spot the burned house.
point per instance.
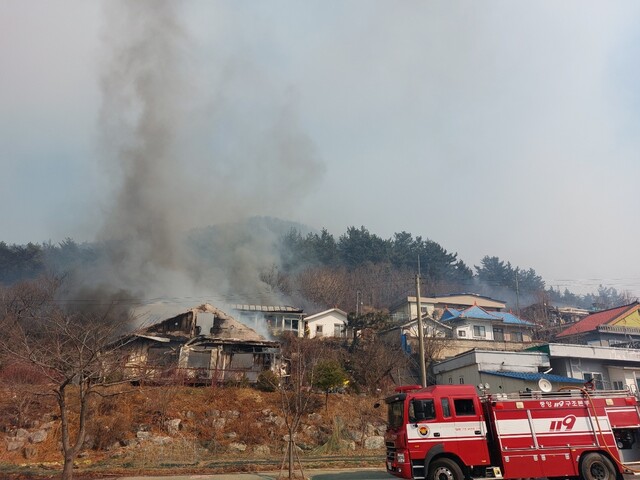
(203, 345)
(277, 319)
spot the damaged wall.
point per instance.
(175, 349)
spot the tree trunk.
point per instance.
(67, 470)
(290, 456)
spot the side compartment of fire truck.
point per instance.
(552, 434)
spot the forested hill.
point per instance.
(317, 270)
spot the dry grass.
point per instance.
(209, 419)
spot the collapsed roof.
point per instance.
(204, 320)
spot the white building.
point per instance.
(407, 309)
(330, 323)
(502, 371)
(609, 367)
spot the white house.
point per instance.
(330, 323)
(407, 309)
(609, 367)
(503, 371)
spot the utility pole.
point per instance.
(357, 303)
(423, 369)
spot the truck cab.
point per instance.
(449, 432)
(435, 430)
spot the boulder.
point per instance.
(237, 447)
(374, 443)
(173, 426)
(29, 451)
(14, 444)
(262, 450)
(38, 436)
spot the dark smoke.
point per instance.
(180, 157)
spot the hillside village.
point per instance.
(183, 362)
(463, 333)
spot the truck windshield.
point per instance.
(396, 412)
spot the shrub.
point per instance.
(267, 381)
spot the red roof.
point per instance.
(593, 321)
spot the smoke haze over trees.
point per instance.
(292, 264)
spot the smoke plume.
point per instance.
(186, 145)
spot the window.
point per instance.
(395, 414)
(199, 359)
(464, 406)
(338, 330)
(451, 380)
(162, 357)
(596, 378)
(420, 410)
(479, 331)
(423, 309)
(290, 324)
(498, 334)
(318, 330)
(446, 410)
(462, 333)
(516, 336)
(461, 380)
(618, 385)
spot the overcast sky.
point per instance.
(499, 128)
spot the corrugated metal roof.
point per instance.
(534, 376)
(266, 308)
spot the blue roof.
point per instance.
(449, 313)
(534, 376)
(508, 317)
(477, 312)
(481, 314)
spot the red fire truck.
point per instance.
(450, 432)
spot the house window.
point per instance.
(318, 330)
(450, 380)
(290, 324)
(161, 357)
(596, 377)
(461, 380)
(498, 334)
(338, 330)
(423, 309)
(516, 336)
(462, 333)
(618, 385)
(479, 331)
(198, 359)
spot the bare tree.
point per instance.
(373, 361)
(296, 392)
(75, 353)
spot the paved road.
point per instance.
(343, 474)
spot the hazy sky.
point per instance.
(493, 128)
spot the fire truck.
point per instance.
(452, 432)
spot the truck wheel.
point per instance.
(445, 469)
(596, 466)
